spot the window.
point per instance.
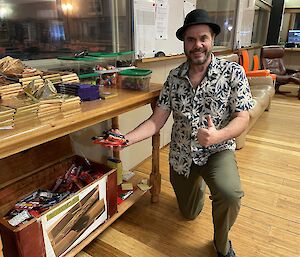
(224, 13)
(297, 21)
(291, 21)
(39, 29)
(261, 16)
(95, 7)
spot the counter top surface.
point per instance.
(295, 49)
(21, 138)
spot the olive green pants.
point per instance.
(221, 175)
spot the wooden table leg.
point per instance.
(1, 248)
(155, 176)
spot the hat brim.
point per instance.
(180, 32)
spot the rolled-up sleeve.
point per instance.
(164, 99)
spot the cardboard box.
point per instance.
(70, 222)
(64, 225)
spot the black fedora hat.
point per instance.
(197, 16)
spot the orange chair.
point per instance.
(256, 72)
(255, 62)
(256, 67)
(244, 61)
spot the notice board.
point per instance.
(155, 26)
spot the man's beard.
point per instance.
(197, 61)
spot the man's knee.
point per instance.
(229, 196)
(190, 214)
(233, 197)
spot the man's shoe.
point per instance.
(230, 253)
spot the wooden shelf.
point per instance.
(164, 58)
(216, 50)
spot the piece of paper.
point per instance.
(127, 186)
(145, 27)
(161, 19)
(127, 175)
(144, 181)
(143, 187)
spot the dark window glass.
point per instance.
(297, 21)
(259, 32)
(38, 29)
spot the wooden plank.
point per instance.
(128, 245)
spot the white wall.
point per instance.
(292, 4)
(83, 145)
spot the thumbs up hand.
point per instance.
(208, 136)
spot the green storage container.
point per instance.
(136, 79)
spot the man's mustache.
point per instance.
(197, 51)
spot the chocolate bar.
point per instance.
(110, 138)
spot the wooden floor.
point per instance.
(269, 220)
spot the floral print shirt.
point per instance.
(222, 92)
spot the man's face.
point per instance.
(198, 43)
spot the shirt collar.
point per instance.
(213, 67)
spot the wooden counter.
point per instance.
(93, 112)
(22, 138)
(292, 49)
